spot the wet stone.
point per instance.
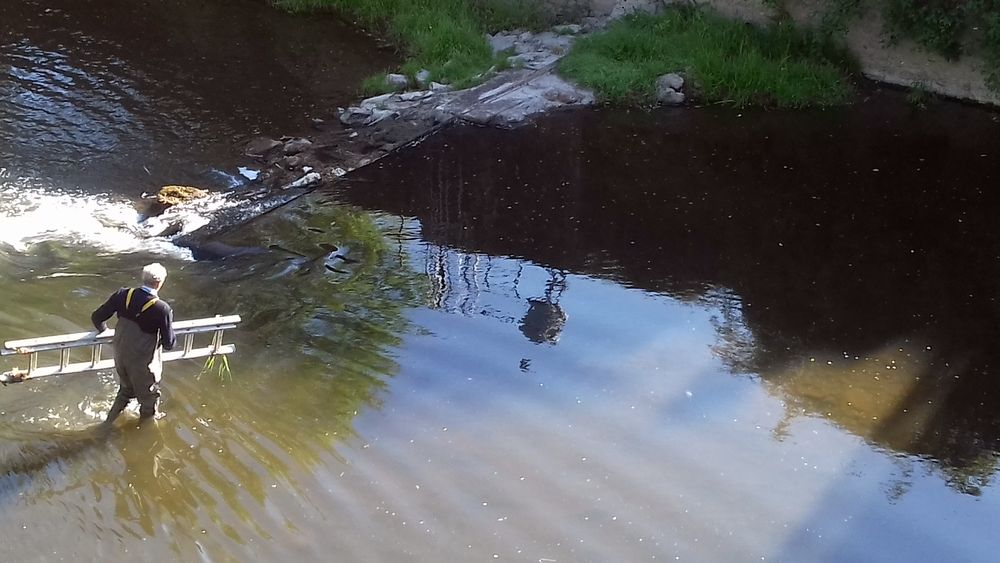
(355, 116)
(291, 162)
(260, 146)
(561, 96)
(670, 97)
(176, 195)
(554, 42)
(307, 180)
(414, 96)
(379, 101)
(671, 80)
(423, 78)
(501, 42)
(397, 81)
(568, 29)
(296, 146)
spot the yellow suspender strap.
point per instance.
(128, 301)
(148, 304)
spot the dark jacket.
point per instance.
(157, 318)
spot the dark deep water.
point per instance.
(118, 96)
(699, 334)
(833, 236)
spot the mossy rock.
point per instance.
(176, 195)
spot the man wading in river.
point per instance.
(145, 326)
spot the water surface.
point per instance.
(701, 334)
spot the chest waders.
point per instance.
(137, 361)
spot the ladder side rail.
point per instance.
(198, 352)
(202, 329)
(83, 339)
(58, 342)
(207, 321)
(82, 367)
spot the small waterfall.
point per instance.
(31, 214)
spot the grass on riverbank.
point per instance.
(445, 37)
(723, 60)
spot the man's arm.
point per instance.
(103, 313)
(167, 338)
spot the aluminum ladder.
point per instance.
(63, 343)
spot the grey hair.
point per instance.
(153, 274)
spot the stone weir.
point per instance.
(377, 126)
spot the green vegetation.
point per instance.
(940, 26)
(725, 61)
(837, 16)
(919, 96)
(223, 367)
(446, 37)
(936, 24)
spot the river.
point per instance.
(701, 334)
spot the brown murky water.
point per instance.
(123, 96)
(699, 335)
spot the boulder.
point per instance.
(295, 146)
(673, 81)
(379, 115)
(558, 96)
(307, 180)
(292, 162)
(176, 195)
(670, 97)
(423, 78)
(501, 42)
(377, 102)
(624, 8)
(593, 24)
(668, 89)
(397, 81)
(260, 146)
(554, 42)
(355, 116)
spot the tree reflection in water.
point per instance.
(319, 318)
(545, 319)
(848, 254)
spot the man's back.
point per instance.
(153, 315)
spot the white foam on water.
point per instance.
(31, 214)
(188, 216)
